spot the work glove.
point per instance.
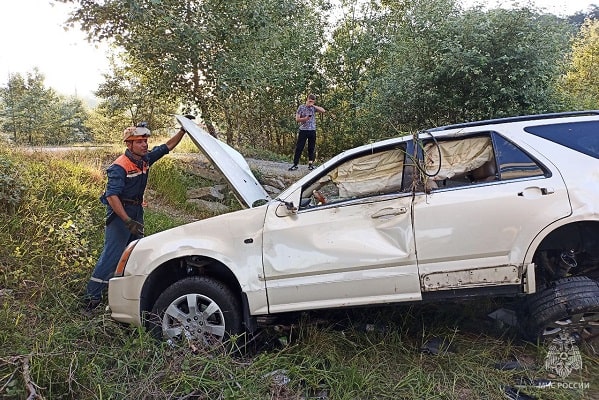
(134, 227)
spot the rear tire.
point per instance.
(200, 310)
(568, 305)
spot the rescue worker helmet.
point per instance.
(135, 132)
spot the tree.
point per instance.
(73, 116)
(273, 60)
(201, 50)
(580, 84)
(449, 65)
(36, 115)
(388, 67)
(13, 109)
(352, 62)
(128, 99)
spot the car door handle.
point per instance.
(544, 191)
(389, 212)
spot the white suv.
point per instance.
(506, 207)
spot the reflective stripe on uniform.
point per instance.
(97, 280)
(133, 175)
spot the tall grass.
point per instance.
(51, 238)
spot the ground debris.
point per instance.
(437, 345)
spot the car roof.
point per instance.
(522, 118)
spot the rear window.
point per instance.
(579, 136)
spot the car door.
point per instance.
(351, 244)
(473, 229)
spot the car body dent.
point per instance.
(472, 277)
(303, 268)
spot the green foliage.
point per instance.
(54, 214)
(448, 65)
(12, 186)
(35, 115)
(381, 68)
(580, 84)
(242, 67)
(165, 175)
(186, 146)
(262, 154)
(129, 99)
(353, 62)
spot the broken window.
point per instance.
(363, 176)
(453, 163)
(476, 159)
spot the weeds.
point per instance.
(11, 186)
(52, 238)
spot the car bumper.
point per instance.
(123, 297)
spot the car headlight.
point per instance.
(120, 268)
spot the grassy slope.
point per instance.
(50, 236)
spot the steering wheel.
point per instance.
(320, 199)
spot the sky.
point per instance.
(32, 35)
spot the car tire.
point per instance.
(568, 305)
(213, 322)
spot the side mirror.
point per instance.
(290, 207)
(285, 209)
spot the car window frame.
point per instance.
(358, 200)
(493, 135)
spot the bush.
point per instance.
(11, 185)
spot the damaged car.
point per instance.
(503, 208)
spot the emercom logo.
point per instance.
(563, 356)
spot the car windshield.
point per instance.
(579, 136)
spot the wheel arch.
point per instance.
(579, 238)
(176, 269)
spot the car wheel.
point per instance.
(198, 309)
(568, 305)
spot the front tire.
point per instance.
(199, 310)
(568, 305)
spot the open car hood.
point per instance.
(229, 162)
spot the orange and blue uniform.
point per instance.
(127, 179)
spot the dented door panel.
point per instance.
(347, 254)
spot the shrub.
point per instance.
(11, 185)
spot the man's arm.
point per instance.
(174, 141)
(299, 118)
(319, 109)
(135, 227)
(117, 206)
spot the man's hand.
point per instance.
(134, 227)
